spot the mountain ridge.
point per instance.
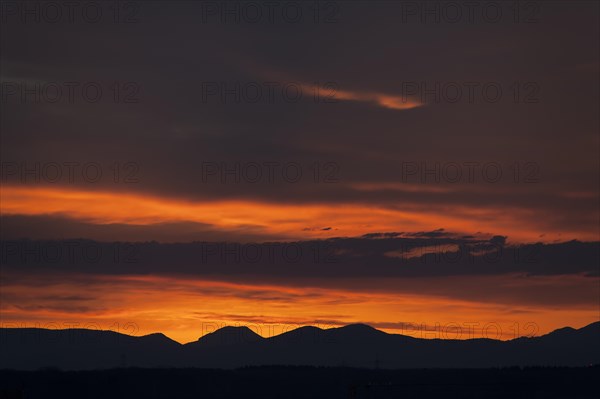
(356, 345)
(567, 329)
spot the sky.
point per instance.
(428, 168)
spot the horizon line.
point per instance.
(245, 327)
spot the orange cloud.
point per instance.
(379, 99)
(288, 221)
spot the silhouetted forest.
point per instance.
(303, 382)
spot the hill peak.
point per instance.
(359, 326)
(158, 338)
(230, 335)
(357, 331)
(593, 327)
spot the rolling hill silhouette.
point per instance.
(355, 345)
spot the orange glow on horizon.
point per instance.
(186, 308)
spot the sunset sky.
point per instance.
(361, 164)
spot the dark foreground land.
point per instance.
(303, 382)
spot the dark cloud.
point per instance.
(426, 255)
(170, 53)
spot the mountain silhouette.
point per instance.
(227, 336)
(356, 345)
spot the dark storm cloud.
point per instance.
(170, 53)
(407, 255)
(483, 270)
